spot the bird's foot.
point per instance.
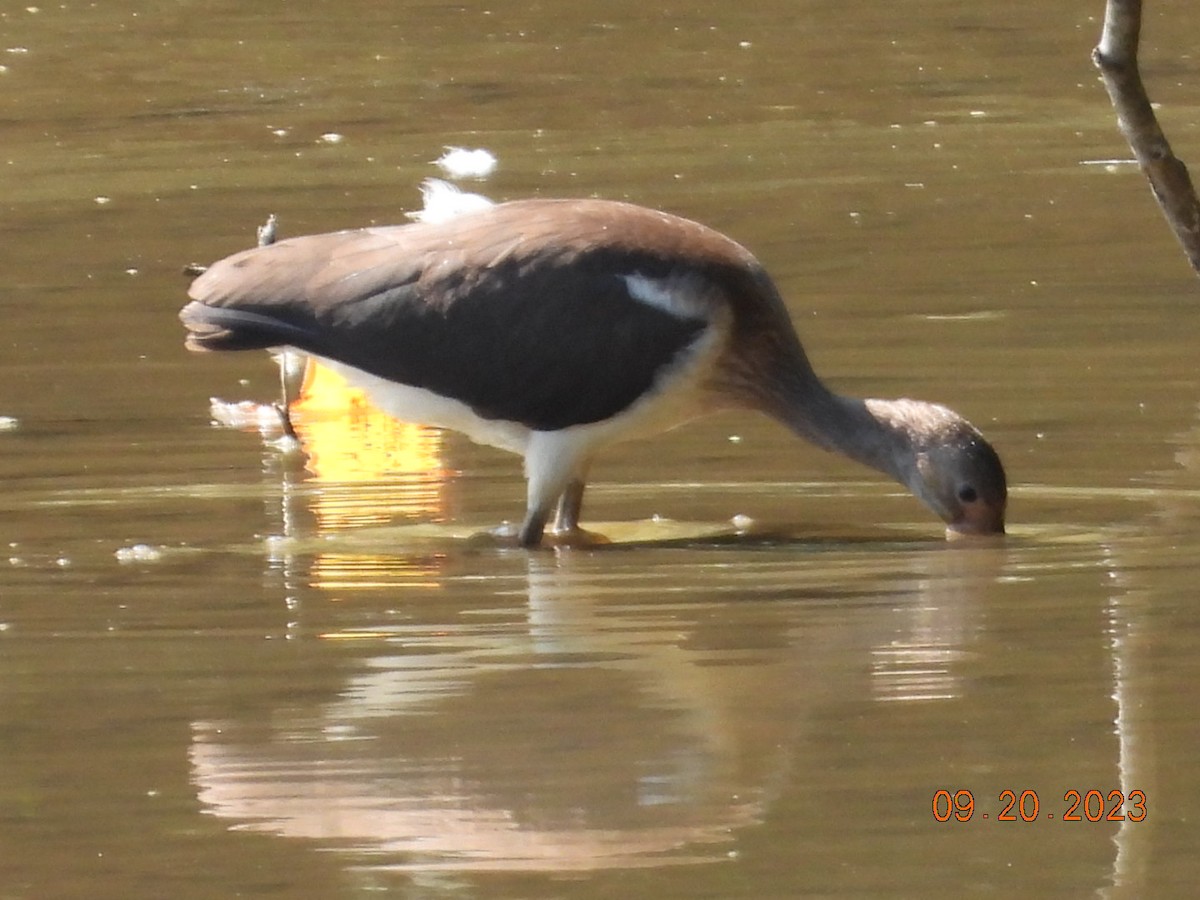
(509, 533)
(573, 537)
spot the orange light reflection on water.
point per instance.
(373, 470)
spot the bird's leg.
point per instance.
(555, 464)
(533, 527)
(569, 505)
(566, 531)
(284, 406)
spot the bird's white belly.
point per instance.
(423, 407)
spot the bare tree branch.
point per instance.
(1116, 57)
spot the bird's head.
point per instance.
(962, 479)
(951, 467)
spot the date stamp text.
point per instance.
(1026, 806)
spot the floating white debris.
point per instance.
(443, 200)
(139, 553)
(102, 200)
(742, 522)
(8, 423)
(332, 137)
(459, 162)
(245, 415)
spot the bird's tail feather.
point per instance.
(220, 328)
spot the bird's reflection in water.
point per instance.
(563, 746)
(583, 729)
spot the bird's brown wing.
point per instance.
(516, 323)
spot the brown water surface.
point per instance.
(223, 674)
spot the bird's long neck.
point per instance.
(765, 366)
(787, 389)
(849, 426)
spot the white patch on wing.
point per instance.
(683, 296)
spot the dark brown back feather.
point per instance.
(520, 311)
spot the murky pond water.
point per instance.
(225, 674)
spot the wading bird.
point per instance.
(553, 327)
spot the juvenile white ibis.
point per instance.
(552, 327)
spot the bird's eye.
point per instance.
(968, 494)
